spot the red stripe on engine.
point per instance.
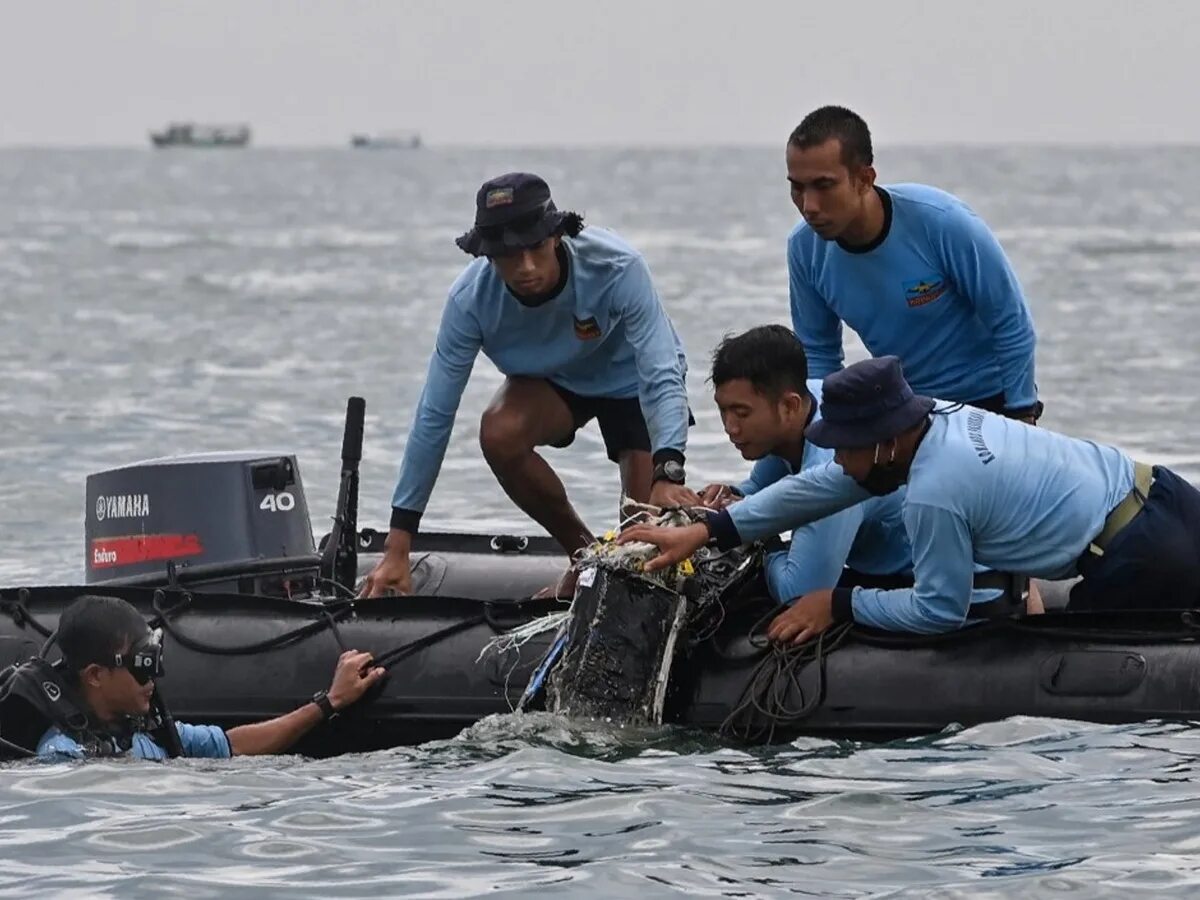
(139, 548)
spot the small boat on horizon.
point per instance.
(192, 134)
(393, 140)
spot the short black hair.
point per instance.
(836, 123)
(95, 628)
(571, 225)
(770, 357)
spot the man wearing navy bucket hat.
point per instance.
(982, 489)
(571, 317)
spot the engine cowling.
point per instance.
(207, 511)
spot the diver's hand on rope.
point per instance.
(665, 494)
(352, 677)
(719, 496)
(806, 618)
(675, 544)
(392, 574)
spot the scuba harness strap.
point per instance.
(35, 696)
(163, 730)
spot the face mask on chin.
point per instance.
(883, 478)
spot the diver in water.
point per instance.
(100, 700)
(910, 268)
(571, 317)
(981, 488)
(761, 386)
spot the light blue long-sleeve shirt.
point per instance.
(605, 335)
(936, 291)
(207, 741)
(982, 489)
(869, 537)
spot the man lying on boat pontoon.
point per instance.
(982, 489)
(571, 317)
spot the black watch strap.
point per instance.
(321, 698)
(669, 470)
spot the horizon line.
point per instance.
(619, 145)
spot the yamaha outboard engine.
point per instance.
(224, 519)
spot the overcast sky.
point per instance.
(607, 71)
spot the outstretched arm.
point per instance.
(943, 569)
(351, 679)
(789, 503)
(662, 388)
(458, 343)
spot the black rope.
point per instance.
(329, 620)
(764, 704)
(24, 752)
(163, 619)
(20, 613)
(396, 655)
(333, 627)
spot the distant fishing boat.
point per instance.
(409, 140)
(190, 134)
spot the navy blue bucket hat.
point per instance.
(866, 403)
(512, 212)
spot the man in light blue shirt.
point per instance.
(766, 401)
(912, 269)
(571, 317)
(100, 701)
(982, 489)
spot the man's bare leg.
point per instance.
(524, 414)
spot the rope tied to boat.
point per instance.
(328, 619)
(19, 612)
(765, 703)
(330, 614)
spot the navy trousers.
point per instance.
(1154, 561)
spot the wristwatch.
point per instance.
(671, 470)
(321, 698)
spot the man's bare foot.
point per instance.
(563, 589)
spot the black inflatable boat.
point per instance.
(218, 551)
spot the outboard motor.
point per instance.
(224, 519)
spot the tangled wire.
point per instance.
(775, 696)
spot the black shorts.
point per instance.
(622, 424)
(995, 404)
